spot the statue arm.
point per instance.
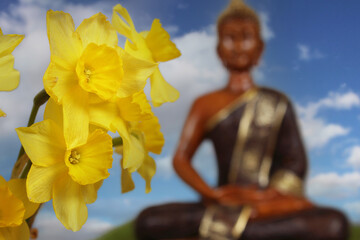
(290, 161)
(191, 137)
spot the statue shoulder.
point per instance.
(274, 93)
(207, 105)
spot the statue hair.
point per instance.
(238, 9)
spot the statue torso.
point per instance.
(244, 135)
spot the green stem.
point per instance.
(41, 98)
(117, 141)
(26, 170)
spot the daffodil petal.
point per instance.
(94, 161)
(136, 72)
(133, 150)
(2, 114)
(103, 114)
(158, 40)
(141, 99)
(76, 117)
(90, 192)
(125, 28)
(53, 111)
(139, 48)
(98, 30)
(12, 209)
(9, 77)
(65, 43)
(43, 143)
(127, 184)
(40, 181)
(59, 81)
(69, 204)
(15, 233)
(132, 109)
(18, 188)
(154, 139)
(147, 171)
(2, 181)
(9, 42)
(161, 91)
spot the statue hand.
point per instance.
(280, 205)
(237, 195)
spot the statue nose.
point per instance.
(240, 47)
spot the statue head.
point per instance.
(240, 44)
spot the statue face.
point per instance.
(240, 45)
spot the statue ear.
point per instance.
(220, 54)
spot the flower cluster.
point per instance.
(95, 86)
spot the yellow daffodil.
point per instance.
(153, 46)
(9, 77)
(15, 208)
(87, 67)
(148, 138)
(69, 176)
(115, 117)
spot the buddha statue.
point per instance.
(260, 157)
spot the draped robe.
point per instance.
(257, 142)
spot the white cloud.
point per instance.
(51, 228)
(353, 209)
(307, 54)
(266, 32)
(353, 206)
(125, 207)
(334, 185)
(317, 131)
(164, 167)
(203, 162)
(340, 100)
(196, 72)
(354, 157)
(171, 29)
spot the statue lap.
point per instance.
(182, 221)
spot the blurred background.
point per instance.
(312, 55)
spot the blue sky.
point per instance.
(312, 55)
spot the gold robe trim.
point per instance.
(287, 182)
(256, 138)
(241, 223)
(267, 161)
(217, 226)
(243, 131)
(225, 112)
